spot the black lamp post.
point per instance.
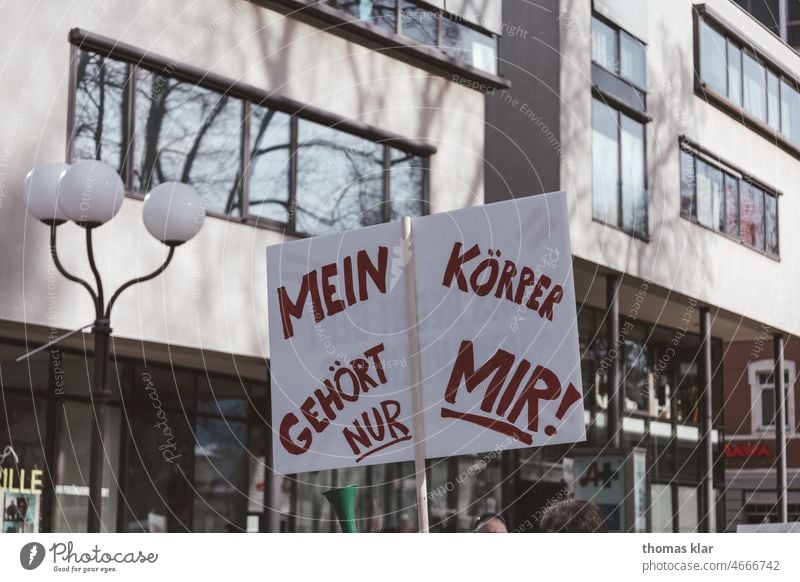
(90, 193)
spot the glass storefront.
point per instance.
(186, 450)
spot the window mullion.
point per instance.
(387, 183)
(293, 178)
(244, 162)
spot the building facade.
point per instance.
(291, 121)
(671, 126)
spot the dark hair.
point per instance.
(484, 517)
(573, 516)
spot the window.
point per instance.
(101, 104)
(186, 133)
(785, 26)
(349, 193)
(428, 27)
(469, 44)
(754, 87)
(762, 394)
(248, 160)
(618, 52)
(382, 13)
(727, 202)
(619, 195)
(747, 81)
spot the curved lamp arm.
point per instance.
(138, 280)
(67, 274)
(93, 265)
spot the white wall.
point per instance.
(682, 256)
(213, 295)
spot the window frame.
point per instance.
(756, 389)
(619, 224)
(441, 15)
(618, 32)
(728, 169)
(703, 14)
(138, 59)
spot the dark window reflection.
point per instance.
(159, 450)
(270, 142)
(635, 372)
(420, 23)
(100, 110)
(340, 180)
(771, 215)
(221, 475)
(407, 185)
(469, 45)
(189, 134)
(381, 13)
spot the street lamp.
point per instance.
(90, 193)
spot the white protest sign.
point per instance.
(495, 320)
(339, 351)
(497, 327)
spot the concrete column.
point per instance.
(780, 428)
(707, 425)
(612, 335)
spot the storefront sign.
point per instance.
(495, 320)
(616, 483)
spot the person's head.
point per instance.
(490, 523)
(573, 516)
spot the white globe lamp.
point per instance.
(173, 213)
(41, 193)
(90, 193)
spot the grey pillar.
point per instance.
(780, 427)
(707, 425)
(612, 353)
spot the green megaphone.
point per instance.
(343, 500)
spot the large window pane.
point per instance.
(407, 185)
(469, 45)
(420, 23)
(340, 180)
(73, 443)
(752, 216)
(270, 142)
(771, 215)
(635, 372)
(604, 45)
(734, 73)
(732, 205)
(633, 61)
(713, 68)
(158, 431)
(221, 475)
(709, 195)
(101, 100)
(381, 13)
(790, 112)
(773, 101)
(634, 195)
(754, 87)
(188, 134)
(687, 509)
(605, 163)
(661, 508)
(688, 182)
